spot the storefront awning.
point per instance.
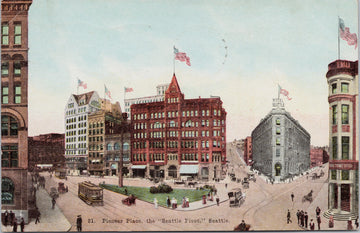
(138, 166)
(189, 169)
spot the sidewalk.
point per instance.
(50, 219)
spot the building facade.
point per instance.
(280, 145)
(47, 149)
(342, 78)
(14, 107)
(76, 114)
(318, 156)
(178, 137)
(160, 94)
(248, 151)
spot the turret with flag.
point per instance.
(344, 33)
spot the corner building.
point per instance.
(178, 137)
(281, 146)
(14, 108)
(343, 199)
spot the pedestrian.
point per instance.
(6, 217)
(79, 223)
(292, 197)
(155, 203)
(302, 218)
(306, 217)
(318, 221)
(318, 211)
(288, 217)
(226, 185)
(53, 203)
(183, 203)
(66, 189)
(331, 221)
(312, 225)
(217, 200)
(349, 224)
(126, 192)
(298, 216)
(204, 199)
(168, 202)
(357, 222)
(22, 224)
(12, 217)
(187, 202)
(15, 225)
(37, 220)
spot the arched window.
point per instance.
(9, 126)
(126, 146)
(7, 191)
(189, 123)
(109, 146)
(116, 146)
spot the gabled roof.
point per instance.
(173, 84)
(87, 97)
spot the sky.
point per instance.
(239, 50)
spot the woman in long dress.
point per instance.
(155, 203)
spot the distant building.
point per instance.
(343, 81)
(47, 149)
(281, 146)
(77, 110)
(248, 151)
(159, 97)
(178, 137)
(318, 156)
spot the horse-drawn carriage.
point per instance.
(308, 197)
(61, 187)
(242, 227)
(245, 183)
(235, 197)
(129, 200)
(251, 176)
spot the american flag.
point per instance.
(82, 84)
(128, 89)
(107, 92)
(345, 34)
(181, 56)
(284, 92)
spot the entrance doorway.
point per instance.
(345, 197)
(277, 169)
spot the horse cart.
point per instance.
(308, 197)
(245, 183)
(129, 200)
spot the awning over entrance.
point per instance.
(138, 166)
(189, 169)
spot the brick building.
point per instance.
(14, 107)
(281, 146)
(248, 151)
(343, 80)
(47, 149)
(178, 137)
(318, 156)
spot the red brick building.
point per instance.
(178, 137)
(14, 106)
(47, 149)
(247, 150)
(318, 156)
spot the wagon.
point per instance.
(129, 200)
(308, 197)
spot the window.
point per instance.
(9, 156)
(126, 146)
(345, 147)
(277, 152)
(17, 68)
(5, 95)
(334, 147)
(5, 68)
(278, 141)
(116, 146)
(333, 174)
(9, 126)
(333, 88)
(7, 191)
(278, 130)
(278, 121)
(344, 114)
(5, 34)
(345, 175)
(109, 147)
(17, 34)
(17, 94)
(334, 113)
(344, 87)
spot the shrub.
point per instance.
(153, 189)
(162, 188)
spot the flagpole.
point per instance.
(174, 62)
(338, 38)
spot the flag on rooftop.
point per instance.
(82, 84)
(128, 89)
(284, 92)
(107, 92)
(345, 34)
(181, 56)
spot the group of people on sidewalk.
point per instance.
(9, 218)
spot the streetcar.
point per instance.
(90, 193)
(60, 173)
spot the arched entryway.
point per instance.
(277, 169)
(172, 171)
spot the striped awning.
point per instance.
(138, 166)
(189, 169)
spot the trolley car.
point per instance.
(60, 173)
(90, 193)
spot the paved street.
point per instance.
(265, 207)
